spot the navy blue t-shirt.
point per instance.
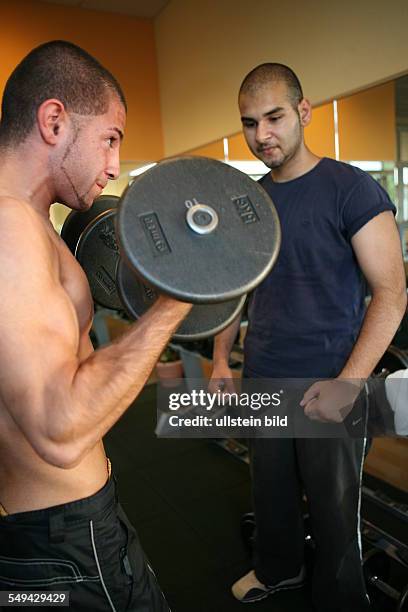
(305, 316)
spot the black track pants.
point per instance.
(329, 472)
(87, 547)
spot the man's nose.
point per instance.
(263, 132)
(113, 169)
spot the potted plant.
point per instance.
(169, 366)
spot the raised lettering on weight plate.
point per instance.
(108, 237)
(105, 280)
(148, 294)
(155, 234)
(245, 209)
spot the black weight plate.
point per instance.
(77, 221)
(218, 266)
(97, 252)
(203, 320)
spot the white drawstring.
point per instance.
(99, 567)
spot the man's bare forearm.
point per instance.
(381, 321)
(224, 342)
(103, 386)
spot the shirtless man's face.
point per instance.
(89, 157)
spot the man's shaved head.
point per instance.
(266, 74)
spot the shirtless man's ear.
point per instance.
(51, 120)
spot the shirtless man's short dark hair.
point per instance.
(80, 82)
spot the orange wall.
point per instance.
(238, 148)
(125, 45)
(367, 124)
(215, 150)
(203, 55)
(319, 135)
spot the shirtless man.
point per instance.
(63, 118)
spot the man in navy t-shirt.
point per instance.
(308, 319)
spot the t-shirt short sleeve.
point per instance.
(366, 200)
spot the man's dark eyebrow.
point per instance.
(277, 109)
(118, 131)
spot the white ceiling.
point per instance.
(137, 8)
